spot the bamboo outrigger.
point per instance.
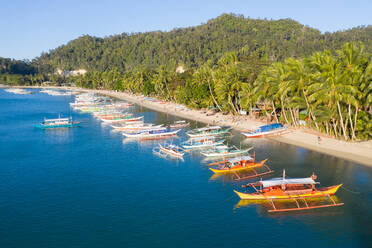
(240, 164)
(295, 189)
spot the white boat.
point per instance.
(149, 134)
(225, 152)
(208, 131)
(138, 127)
(171, 150)
(58, 123)
(202, 142)
(18, 91)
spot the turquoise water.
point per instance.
(89, 187)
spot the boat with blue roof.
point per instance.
(266, 130)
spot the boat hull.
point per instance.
(58, 126)
(203, 145)
(226, 171)
(205, 134)
(263, 134)
(224, 154)
(150, 135)
(265, 196)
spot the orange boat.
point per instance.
(240, 164)
(295, 189)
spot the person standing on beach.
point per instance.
(319, 140)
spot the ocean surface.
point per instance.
(90, 187)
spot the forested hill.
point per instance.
(193, 46)
(12, 66)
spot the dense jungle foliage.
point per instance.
(194, 46)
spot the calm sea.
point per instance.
(89, 187)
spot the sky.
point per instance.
(30, 27)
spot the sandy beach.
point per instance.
(360, 152)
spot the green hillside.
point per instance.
(193, 46)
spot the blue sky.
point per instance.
(30, 27)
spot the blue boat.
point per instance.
(271, 129)
(57, 123)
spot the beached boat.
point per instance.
(296, 189)
(18, 91)
(208, 131)
(179, 124)
(148, 134)
(58, 123)
(266, 130)
(224, 151)
(170, 149)
(202, 142)
(240, 164)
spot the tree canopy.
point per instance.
(193, 46)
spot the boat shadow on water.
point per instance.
(168, 157)
(233, 178)
(263, 206)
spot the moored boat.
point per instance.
(170, 149)
(58, 123)
(239, 164)
(202, 142)
(208, 131)
(161, 132)
(224, 151)
(266, 130)
(137, 127)
(18, 91)
(290, 189)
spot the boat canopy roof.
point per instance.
(280, 181)
(55, 120)
(269, 127)
(237, 159)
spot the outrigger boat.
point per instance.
(295, 189)
(179, 124)
(125, 118)
(172, 150)
(208, 131)
(202, 142)
(267, 130)
(224, 151)
(58, 123)
(135, 127)
(240, 164)
(149, 134)
(18, 91)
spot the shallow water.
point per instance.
(89, 187)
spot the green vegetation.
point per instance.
(293, 74)
(330, 93)
(194, 46)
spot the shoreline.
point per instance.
(359, 152)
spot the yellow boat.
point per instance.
(296, 189)
(280, 194)
(239, 164)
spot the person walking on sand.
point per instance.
(319, 140)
